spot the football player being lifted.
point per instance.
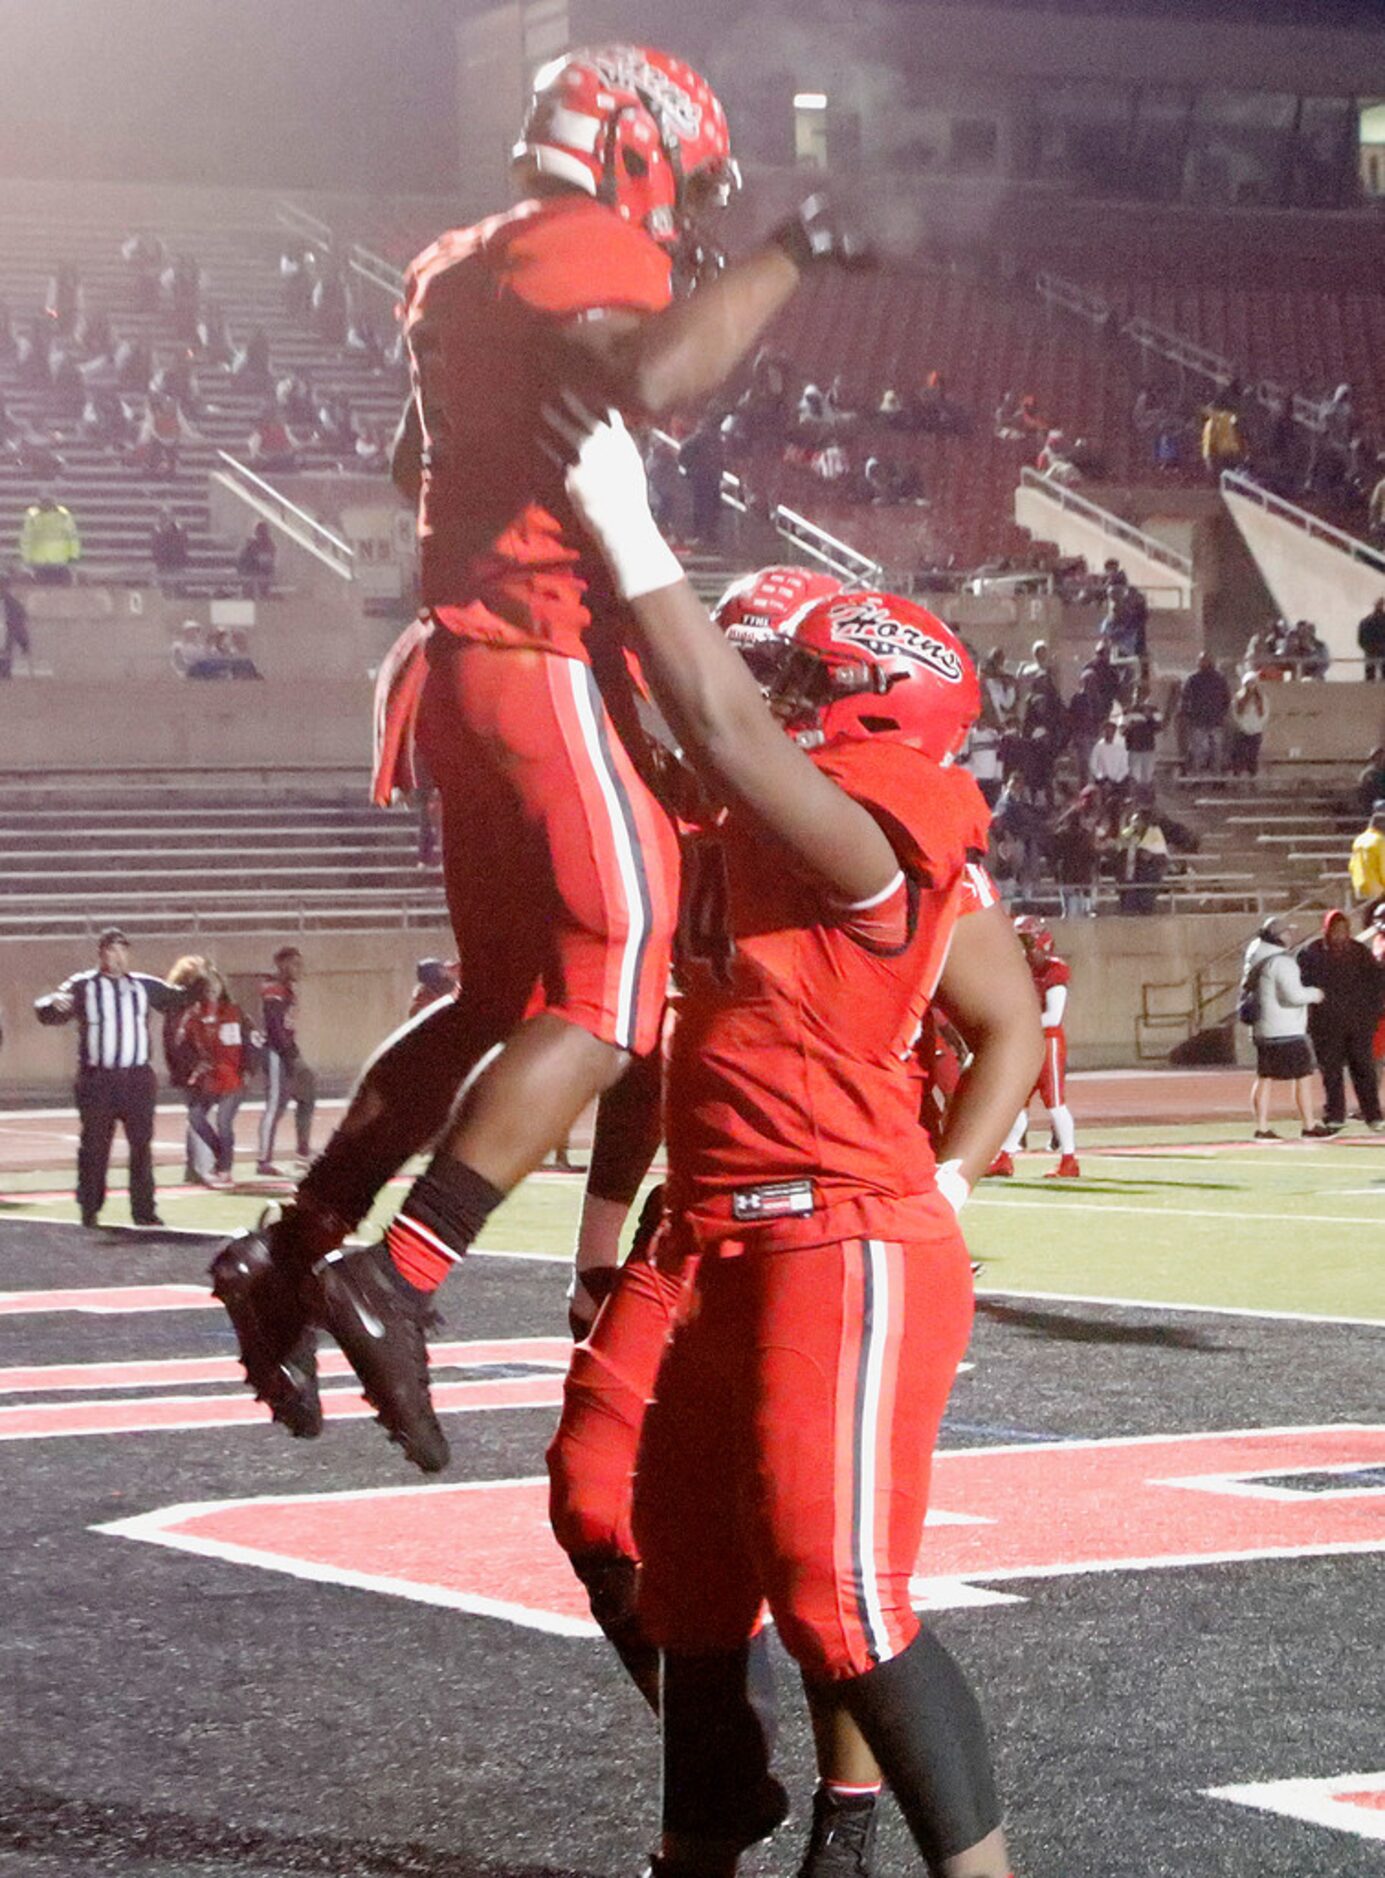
(561, 866)
(812, 1276)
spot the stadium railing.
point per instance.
(1116, 527)
(1236, 482)
(300, 527)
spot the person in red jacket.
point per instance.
(214, 1030)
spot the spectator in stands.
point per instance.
(1222, 448)
(999, 691)
(134, 366)
(1043, 701)
(932, 410)
(331, 307)
(49, 544)
(1055, 460)
(144, 254)
(1031, 427)
(830, 464)
(1343, 1026)
(295, 400)
(1024, 830)
(1366, 865)
(982, 757)
(168, 543)
(812, 408)
(1306, 652)
(256, 560)
(178, 380)
(335, 425)
(297, 273)
(214, 341)
(251, 368)
(1370, 637)
(1260, 657)
(213, 652)
(1125, 622)
(1087, 711)
(272, 447)
(1203, 706)
(1105, 674)
(1144, 861)
(1075, 854)
(372, 452)
(1141, 725)
(68, 392)
(1375, 508)
(362, 337)
(1370, 784)
(701, 460)
(94, 341)
(33, 365)
(183, 283)
(14, 619)
(1006, 421)
(890, 409)
(107, 420)
(837, 407)
(1250, 712)
(886, 483)
(1271, 983)
(1109, 764)
(64, 300)
(161, 437)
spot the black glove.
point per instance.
(53, 1009)
(817, 232)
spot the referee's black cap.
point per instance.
(113, 936)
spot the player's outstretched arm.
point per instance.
(988, 992)
(700, 682)
(654, 363)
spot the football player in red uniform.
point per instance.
(821, 1294)
(1052, 976)
(560, 864)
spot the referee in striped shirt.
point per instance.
(116, 1081)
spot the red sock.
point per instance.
(419, 1256)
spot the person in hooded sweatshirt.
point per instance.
(1342, 1027)
(1283, 1050)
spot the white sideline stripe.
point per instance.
(1313, 1801)
(1230, 1216)
(1194, 1310)
(153, 1529)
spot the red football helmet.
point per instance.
(874, 665)
(1033, 935)
(635, 128)
(757, 612)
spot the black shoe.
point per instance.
(1318, 1132)
(1265, 1134)
(278, 1346)
(146, 1219)
(360, 1298)
(91, 1221)
(842, 1841)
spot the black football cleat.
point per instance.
(359, 1297)
(842, 1841)
(278, 1346)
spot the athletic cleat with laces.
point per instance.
(1000, 1168)
(359, 1297)
(278, 1346)
(1067, 1169)
(842, 1841)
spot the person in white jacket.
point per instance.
(1283, 1049)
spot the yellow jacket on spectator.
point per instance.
(48, 536)
(1221, 436)
(1367, 862)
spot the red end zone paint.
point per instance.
(1000, 1513)
(109, 1300)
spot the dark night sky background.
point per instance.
(322, 93)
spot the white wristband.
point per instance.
(953, 1184)
(642, 566)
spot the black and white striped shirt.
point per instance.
(112, 1016)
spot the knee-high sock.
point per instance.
(1063, 1127)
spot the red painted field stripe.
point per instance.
(108, 1300)
(1375, 1799)
(169, 1372)
(43, 1420)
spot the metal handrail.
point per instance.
(1074, 298)
(301, 527)
(374, 268)
(303, 222)
(1109, 522)
(1236, 482)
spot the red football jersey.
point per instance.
(791, 1052)
(503, 561)
(1048, 973)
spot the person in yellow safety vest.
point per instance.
(48, 541)
(1221, 436)
(1367, 864)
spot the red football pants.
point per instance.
(610, 1384)
(787, 1455)
(561, 868)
